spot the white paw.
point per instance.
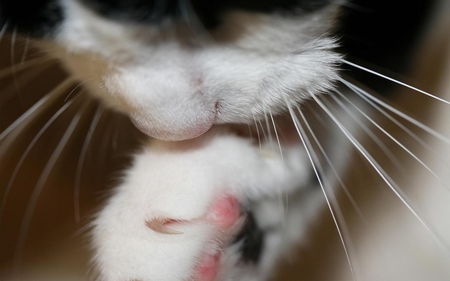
(178, 209)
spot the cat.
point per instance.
(183, 72)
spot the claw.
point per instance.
(159, 225)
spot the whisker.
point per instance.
(257, 132)
(360, 92)
(264, 132)
(392, 138)
(12, 57)
(339, 179)
(12, 49)
(83, 153)
(27, 151)
(27, 64)
(76, 87)
(39, 106)
(318, 117)
(276, 135)
(25, 78)
(20, 246)
(286, 197)
(371, 134)
(385, 177)
(25, 50)
(403, 127)
(3, 30)
(330, 163)
(269, 131)
(302, 136)
(395, 81)
(250, 131)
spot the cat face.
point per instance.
(176, 68)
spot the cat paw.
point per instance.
(177, 212)
(166, 248)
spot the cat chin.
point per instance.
(167, 133)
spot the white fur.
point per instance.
(179, 181)
(176, 87)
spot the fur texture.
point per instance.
(176, 84)
(179, 181)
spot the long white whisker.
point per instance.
(269, 142)
(400, 125)
(386, 178)
(84, 149)
(318, 117)
(250, 131)
(264, 132)
(276, 135)
(371, 134)
(302, 136)
(27, 151)
(269, 131)
(395, 81)
(340, 181)
(38, 107)
(344, 187)
(257, 132)
(20, 247)
(393, 139)
(286, 197)
(396, 111)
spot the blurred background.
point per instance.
(52, 180)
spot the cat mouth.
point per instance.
(184, 127)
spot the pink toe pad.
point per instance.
(224, 212)
(208, 268)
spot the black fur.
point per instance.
(208, 11)
(383, 33)
(37, 18)
(252, 239)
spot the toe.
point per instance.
(224, 212)
(207, 268)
